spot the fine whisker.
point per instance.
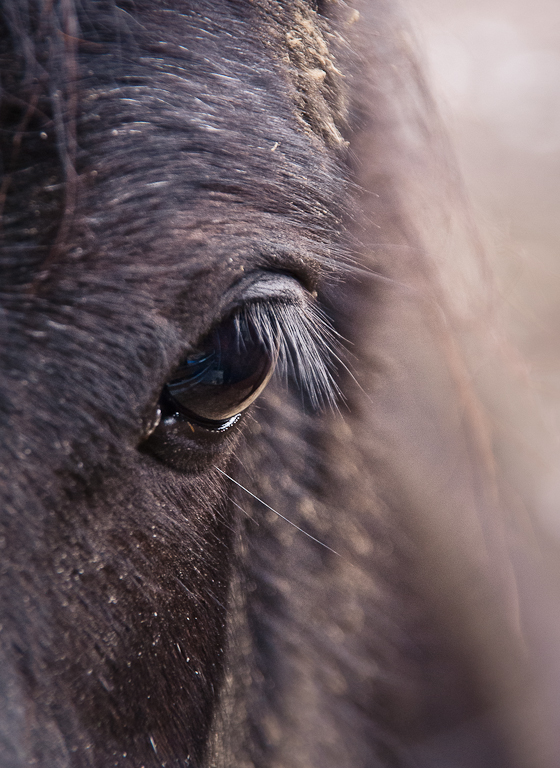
(252, 519)
(301, 530)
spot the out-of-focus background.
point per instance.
(494, 66)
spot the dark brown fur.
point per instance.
(156, 157)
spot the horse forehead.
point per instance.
(193, 167)
(179, 184)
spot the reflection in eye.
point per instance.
(231, 367)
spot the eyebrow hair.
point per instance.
(304, 342)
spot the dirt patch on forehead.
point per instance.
(309, 50)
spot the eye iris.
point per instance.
(226, 374)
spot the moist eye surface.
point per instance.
(279, 326)
(224, 375)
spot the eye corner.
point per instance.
(150, 424)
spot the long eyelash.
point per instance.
(304, 342)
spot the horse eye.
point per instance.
(222, 377)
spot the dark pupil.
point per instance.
(224, 376)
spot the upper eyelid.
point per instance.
(260, 288)
(276, 286)
(263, 286)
